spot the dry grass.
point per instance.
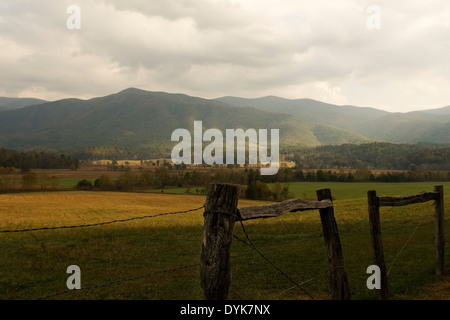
(79, 207)
(33, 264)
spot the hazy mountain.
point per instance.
(435, 112)
(343, 117)
(138, 122)
(418, 126)
(17, 103)
(142, 120)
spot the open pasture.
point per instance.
(158, 258)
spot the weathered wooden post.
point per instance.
(439, 229)
(377, 244)
(219, 218)
(338, 277)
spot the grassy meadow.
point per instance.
(34, 263)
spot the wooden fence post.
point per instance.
(377, 245)
(439, 229)
(219, 219)
(338, 277)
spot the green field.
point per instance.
(166, 249)
(358, 190)
(341, 190)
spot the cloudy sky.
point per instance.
(323, 50)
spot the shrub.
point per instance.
(84, 184)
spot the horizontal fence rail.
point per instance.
(221, 213)
(375, 202)
(385, 201)
(277, 209)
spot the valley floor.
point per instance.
(33, 264)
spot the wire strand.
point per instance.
(251, 245)
(404, 245)
(100, 223)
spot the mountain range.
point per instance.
(140, 123)
(17, 103)
(431, 126)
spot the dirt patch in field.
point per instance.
(440, 290)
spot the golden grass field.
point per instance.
(33, 264)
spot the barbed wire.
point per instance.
(101, 223)
(251, 245)
(248, 243)
(309, 280)
(278, 246)
(110, 283)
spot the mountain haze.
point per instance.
(17, 103)
(143, 121)
(431, 126)
(343, 117)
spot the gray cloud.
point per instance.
(296, 49)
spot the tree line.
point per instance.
(195, 182)
(373, 156)
(25, 161)
(357, 175)
(254, 185)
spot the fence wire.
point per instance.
(404, 245)
(320, 274)
(252, 246)
(248, 242)
(110, 283)
(100, 223)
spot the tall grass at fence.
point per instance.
(34, 264)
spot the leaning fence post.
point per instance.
(439, 229)
(219, 219)
(377, 245)
(338, 277)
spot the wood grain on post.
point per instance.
(277, 209)
(338, 277)
(439, 229)
(219, 219)
(406, 200)
(377, 245)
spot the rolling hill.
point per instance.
(431, 126)
(138, 122)
(17, 103)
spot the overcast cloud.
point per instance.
(319, 49)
